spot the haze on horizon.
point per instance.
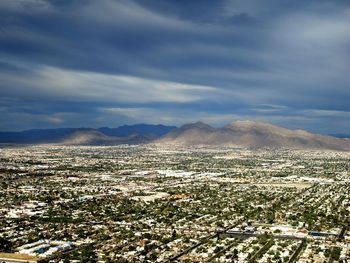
(113, 62)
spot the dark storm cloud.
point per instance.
(109, 62)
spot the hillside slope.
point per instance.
(252, 134)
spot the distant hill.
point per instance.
(132, 133)
(340, 135)
(251, 134)
(94, 137)
(246, 134)
(35, 136)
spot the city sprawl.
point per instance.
(151, 203)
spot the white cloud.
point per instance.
(326, 113)
(134, 113)
(115, 13)
(53, 119)
(324, 30)
(83, 85)
(25, 5)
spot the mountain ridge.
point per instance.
(239, 133)
(40, 136)
(252, 134)
(97, 138)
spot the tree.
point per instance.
(235, 253)
(88, 254)
(5, 244)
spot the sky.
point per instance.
(88, 63)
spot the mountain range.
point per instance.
(128, 134)
(252, 134)
(246, 134)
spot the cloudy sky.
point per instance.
(74, 63)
